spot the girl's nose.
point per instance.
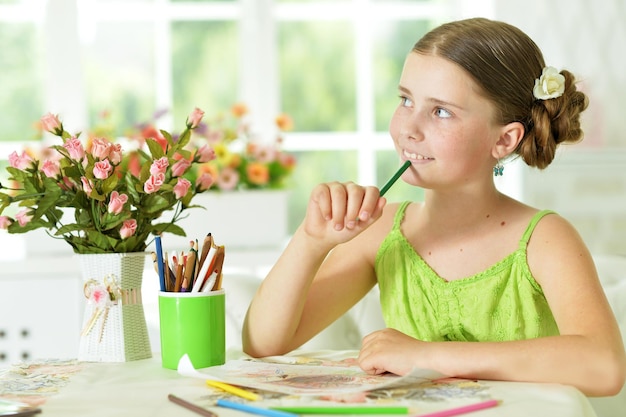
(410, 127)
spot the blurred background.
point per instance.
(333, 66)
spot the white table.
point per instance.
(140, 388)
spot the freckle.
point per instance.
(502, 224)
(488, 215)
(461, 250)
(430, 253)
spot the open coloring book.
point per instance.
(302, 376)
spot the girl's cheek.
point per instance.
(394, 127)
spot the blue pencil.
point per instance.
(160, 266)
(253, 410)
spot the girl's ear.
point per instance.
(510, 136)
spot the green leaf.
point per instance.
(100, 240)
(68, 228)
(183, 139)
(172, 228)
(154, 203)
(155, 149)
(111, 221)
(130, 187)
(109, 184)
(47, 202)
(72, 171)
(32, 225)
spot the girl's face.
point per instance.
(442, 124)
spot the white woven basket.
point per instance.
(114, 330)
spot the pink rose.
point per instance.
(204, 181)
(115, 153)
(24, 217)
(5, 222)
(205, 154)
(75, 148)
(154, 183)
(180, 167)
(116, 203)
(87, 187)
(52, 124)
(102, 169)
(181, 188)
(100, 148)
(159, 166)
(194, 118)
(22, 161)
(129, 227)
(51, 169)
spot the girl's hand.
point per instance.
(337, 212)
(388, 350)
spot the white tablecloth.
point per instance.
(140, 388)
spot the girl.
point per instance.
(473, 284)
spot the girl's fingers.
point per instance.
(339, 199)
(356, 194)
(344, 205)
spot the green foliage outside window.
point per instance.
(21, 82)
(205, 62)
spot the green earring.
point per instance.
(498, 169)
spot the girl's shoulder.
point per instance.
(393, 214)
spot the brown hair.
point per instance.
(505, 62)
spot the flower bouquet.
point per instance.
(242, 160)
(116, 196)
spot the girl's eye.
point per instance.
(405, 101)
(442, 113)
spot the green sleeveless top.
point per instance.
(499, 304)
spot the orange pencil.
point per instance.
(179, 274)
(219, 262)
(168, 279)
(206, 246)
(190, 264)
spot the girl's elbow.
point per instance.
(616, 383)
(610, 379)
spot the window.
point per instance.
(332, 65)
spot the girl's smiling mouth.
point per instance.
(415, 156)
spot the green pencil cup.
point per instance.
(193, 324)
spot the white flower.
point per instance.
(551, 84)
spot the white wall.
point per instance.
(587, 182)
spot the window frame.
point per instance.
(64, 22)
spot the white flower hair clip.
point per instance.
(551, 84)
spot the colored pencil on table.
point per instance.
(231, 389)
(461, 410)
(340, 409)
(191, 406)
(253, 410)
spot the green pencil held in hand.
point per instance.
(395, 177)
